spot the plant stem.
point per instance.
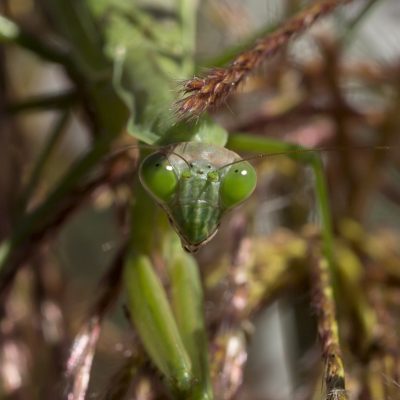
(54, 138)
(188, 15)
(328, 330)
(44, 102)
(34, 224)
(10, 32)
(215, 87)
(353, 25)
(241, 142)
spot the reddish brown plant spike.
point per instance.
(194, 84)
(324, 304)
(218, 84)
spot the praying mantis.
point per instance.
(191, 173)
(196, 177)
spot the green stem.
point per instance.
(324, 208)
(36, 223)
(188, 14)
(73, 21)
(44, 102)
(355, 23)
(10, 32)
(92, 77)
(108, 113)
(255, 144)
(54, 139)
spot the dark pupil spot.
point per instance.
(158, 164)
(191, 165)
(209, 166)
(236, 171)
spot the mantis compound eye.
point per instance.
(237, 184)
(158, 176)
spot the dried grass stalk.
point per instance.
(324, 305)
(213, 89)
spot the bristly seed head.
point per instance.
(212, 90)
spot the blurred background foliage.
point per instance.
(336, 86)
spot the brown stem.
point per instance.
(80, 360)
(324, 305)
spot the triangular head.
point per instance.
(195, 183)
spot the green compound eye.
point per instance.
(158, 176)
(238, 184)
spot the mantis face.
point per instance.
(195, 183)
